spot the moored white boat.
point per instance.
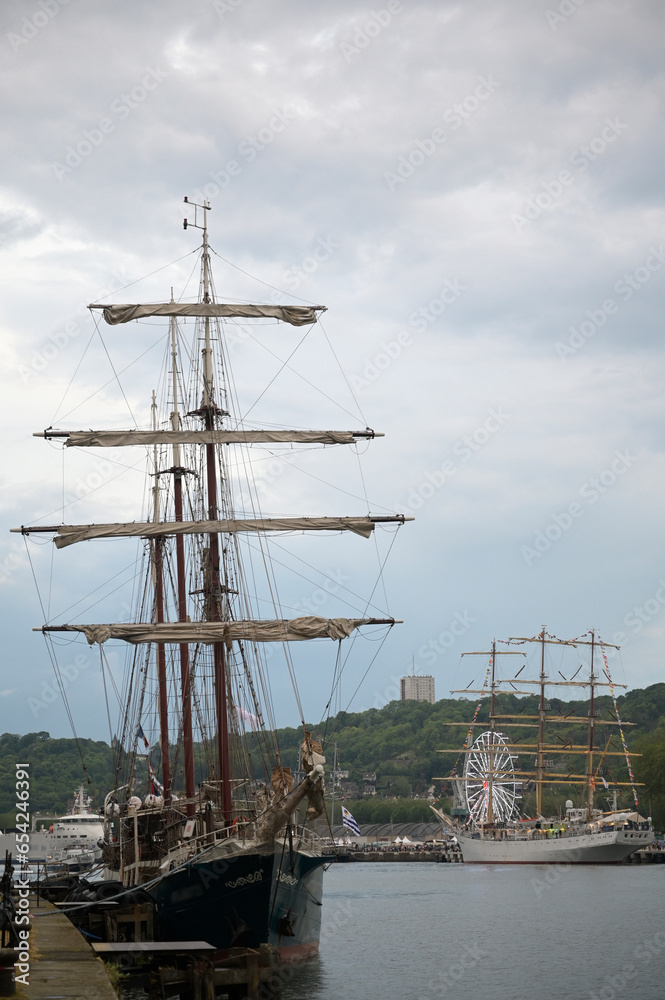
(600, 843)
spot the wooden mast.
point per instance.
(214, 583)
(185, 679)
(590, 787)
(540, 781)
(158, 572)
(541, 729)
(585, 781)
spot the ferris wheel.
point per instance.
(489, 767)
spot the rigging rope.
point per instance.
(117, 377)
(350, 702)
(356, 634)
(261, 282)
(469, 735)
(106, 694)
(64, 395)
(618, 717)
(111, 380)
(343, 373)
(285, 364)
(56, 669)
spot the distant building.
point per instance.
(417, 688)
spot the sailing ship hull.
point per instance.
(244, 901)
(602, 848)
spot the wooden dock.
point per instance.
(64, 966)
(62, 963)
(646, 857)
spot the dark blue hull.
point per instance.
(244, 901)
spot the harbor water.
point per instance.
(427, 931)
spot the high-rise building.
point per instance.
(417, 688)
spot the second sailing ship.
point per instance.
(489, 791)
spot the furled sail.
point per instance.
(295, 315)
(68, 534)
(118, 439)
(286, 630)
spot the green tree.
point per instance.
(650, 768)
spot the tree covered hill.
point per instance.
(56, 771)
(398, 742)
(402, 739)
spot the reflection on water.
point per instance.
(428, 932)
(306, 979)
(425, 932)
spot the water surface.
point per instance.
(426, 931)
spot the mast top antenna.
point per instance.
(205, 208)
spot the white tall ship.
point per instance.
(490, 788)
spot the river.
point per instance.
(427, 931)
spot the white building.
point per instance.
(417, 688)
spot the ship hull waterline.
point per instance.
(608, 847)
(245, 900)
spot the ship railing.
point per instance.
(307, 837)
(208, 838)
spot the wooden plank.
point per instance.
(115, 947)
(252, 977)
(61, 961)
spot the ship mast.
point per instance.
(158, 573)
(540, 747)
(541, 729)
(185, 677)
(592, 713)
(493, 686)
(213, 584)
(218, 627)
(490, 816)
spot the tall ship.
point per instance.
(492, 773)
(205, 820)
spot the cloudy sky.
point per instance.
(474, 190)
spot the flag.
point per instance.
(155, 783)
(349, 822)
(142, 736)
(246, 716)
(604, 782)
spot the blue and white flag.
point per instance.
(349, 822)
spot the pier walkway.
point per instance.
(62, 964)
